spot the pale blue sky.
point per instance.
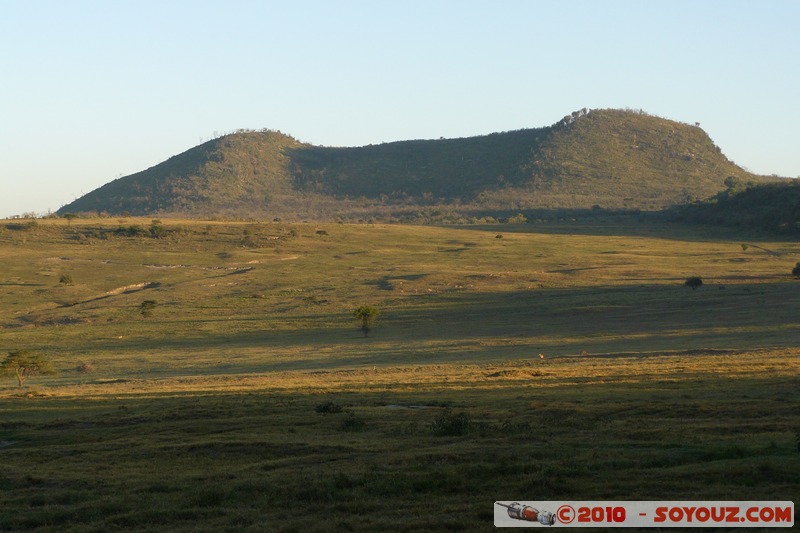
(93, 90)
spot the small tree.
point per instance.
(796, 271)
(24, 364)
(693, 282)
(366, 315)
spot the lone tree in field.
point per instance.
(366, 315)
(693, 282)
(796, 271)
(24, 364)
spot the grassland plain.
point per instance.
(250, 400)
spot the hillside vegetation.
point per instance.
(610, 156)
(774, 207)
(602, 158)
(245, 170)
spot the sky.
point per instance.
(94, 90)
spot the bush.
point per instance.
(132, 231)
(352, 423)
(146, 308)
(157, 229)
(65, 279)
(796, 271)
(26, 226)
(693, 282)
(85, 367)
(366, 315)
(328, 407)
(451, 424)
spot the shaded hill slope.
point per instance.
(444, 168)
(768, 206)
(606, 158)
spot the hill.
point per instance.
(606, 158)
(242, 169)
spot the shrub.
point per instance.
(27, 226)
(693, 282)
(451, 424)
(132, 231)
(352, 423)
(796, 271)
(366, 315)
(157, 229)
(65, 279)
(516, 428)
(146, 308)
(85, 367)
(328, 407)
(250, 242)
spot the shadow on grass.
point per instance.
(632, 224)
(477, 326)
(386, 282)
(213, 461)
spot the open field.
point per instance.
(250, 400)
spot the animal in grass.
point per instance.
(541, 357)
